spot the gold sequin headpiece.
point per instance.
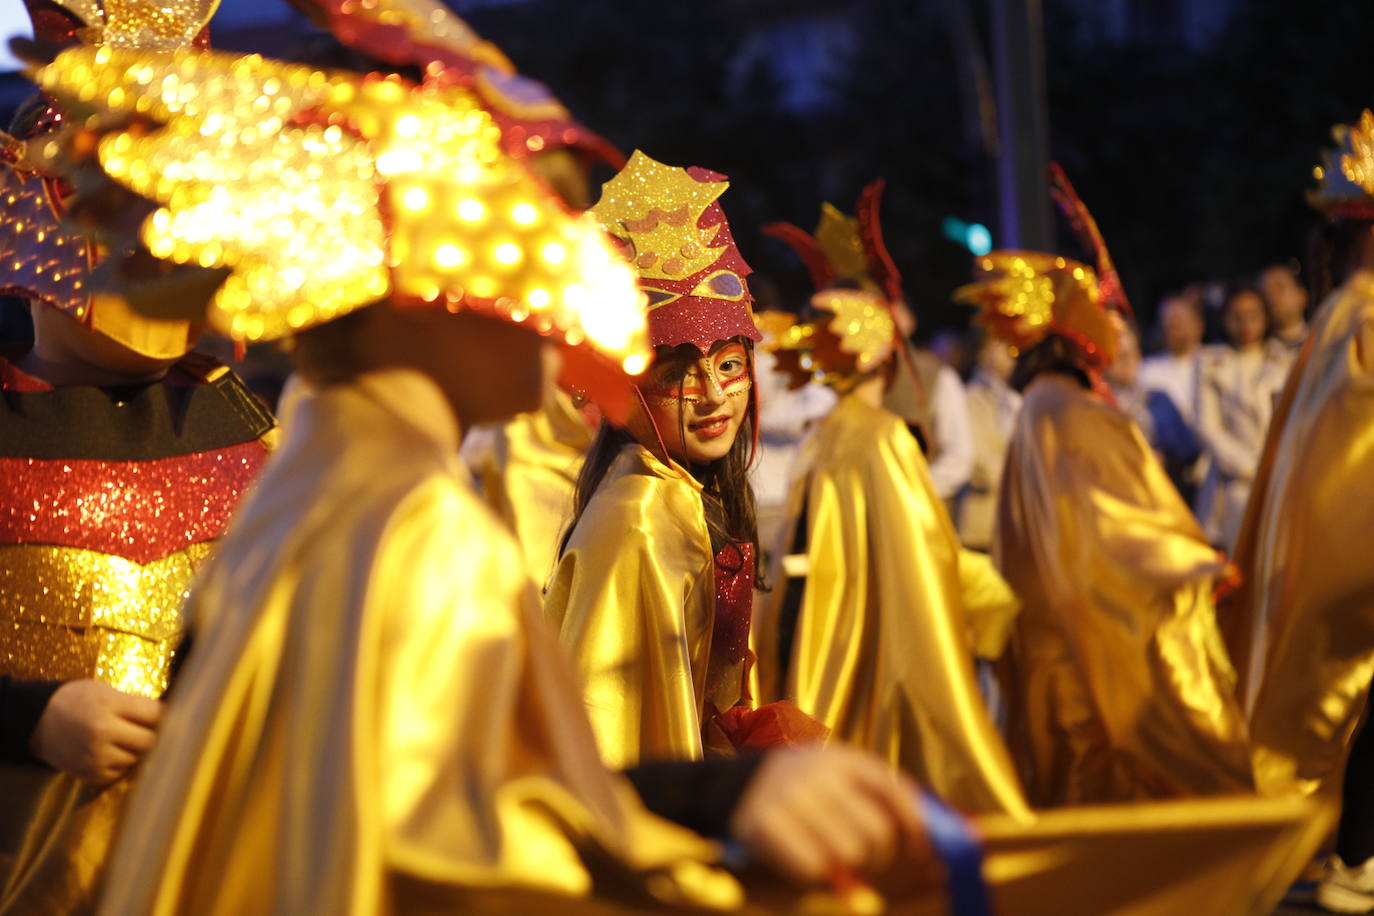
(320, 193)
(672, 229)
(1345, 179)
(863, 323)
(43, 259)
(1027, 295)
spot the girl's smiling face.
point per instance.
(698, 403)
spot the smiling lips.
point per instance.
(711, 427)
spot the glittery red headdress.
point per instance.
(669, 225)
(1113, 294)
(428, 35)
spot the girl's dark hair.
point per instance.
(1053, 354)
(1332, 252)
(727, 496)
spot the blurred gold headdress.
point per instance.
(1027, 295)
(1345, 179)
(320, 193)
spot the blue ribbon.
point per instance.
(959, 849)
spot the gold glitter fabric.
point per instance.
(1027, 295)
(166, 25)
(863, 323)
(1345, 179)
(70, 614)
(838, 237)
(325, 192)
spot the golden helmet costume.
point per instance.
(1117, 683)
(374, 718)
(1300, 627)
(880, 646)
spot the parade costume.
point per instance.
(1300, 628)
(880, 643)
(374, 719)
(526, 468)
(1117, 682)
(655, 615)
(114, 496)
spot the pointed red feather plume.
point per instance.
(871, 235)
(1089, 236)
(804, 244)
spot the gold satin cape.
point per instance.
(1118, 686)
(633, 598)
(1301, 628)
(882, 652)
(373, 718)
(527, 469)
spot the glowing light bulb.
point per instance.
(449, 256)
(471, 210)
(507, 253)
(554, 253)
(416, 199)
(524, 214)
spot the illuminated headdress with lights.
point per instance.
(850, 250)
(42, 259)
(1025, 296)
(670, 226)
(428, 35)
(1345, 179)
(319, 193)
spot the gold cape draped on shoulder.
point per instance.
(374, 717)
(1118, 685)
(633, 599)
(881, 652)
(528, 470)
(1301, 627)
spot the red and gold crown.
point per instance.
(1025, 296)
(428, 35)
(320, 193)
(1345, 179)
(45, 260)
(670, 226)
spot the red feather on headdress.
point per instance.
(1089, 236)
(804, 244)
(871, 235)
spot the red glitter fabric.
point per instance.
(734, 604)
(139, 510)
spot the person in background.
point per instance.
(789, 402)
(1172, 383)
(1240, 380)
(1286, 300)
(992, 408)
(929, 396)
(956, 348)
(1123, 375)
(1116, 683)
(1301, 626)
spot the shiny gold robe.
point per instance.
(881, 652)
(1302, 626)
(527, 470)
(1118, 685)
(633, 599)
(374, 718)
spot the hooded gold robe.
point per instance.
(633, 599)
(373, 717)
(1118, 685)
(1301, 627)
(527, 470)
(881, 652)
